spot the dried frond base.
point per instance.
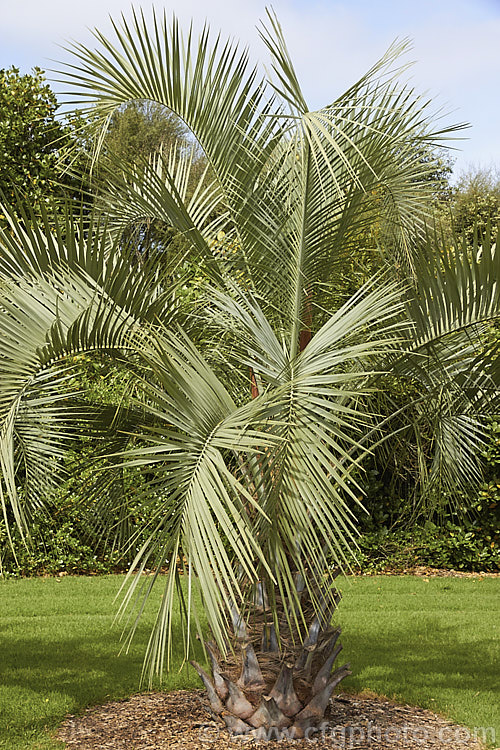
(269, 692)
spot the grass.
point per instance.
(429, 642)
(59, 653)
(432, 643)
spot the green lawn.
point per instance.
(430, 643)
(434, 643)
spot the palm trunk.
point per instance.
(277, 687)
(270, 691)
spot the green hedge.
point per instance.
(64, 535)
(61, 540)
(460, 547)
(463, 534)
(61, 543)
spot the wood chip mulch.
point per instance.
(426, 572)
(179, 721)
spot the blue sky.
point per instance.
(456, 47)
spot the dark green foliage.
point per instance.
(476, 204)
(63, 535)
(61, 541)
(35, 145)
(139, 129)
(28, 131)
(466, 546)
(452, 538)
(57, 546)
(440, 166)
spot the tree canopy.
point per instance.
(31, 136)
(476, 203)
(138, 129)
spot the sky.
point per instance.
(456, 48)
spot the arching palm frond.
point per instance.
(49, 318)
(306, 485)
(448, 363)
(189, 448)
(360, 163)
(158, 191)
(209, 84)
(309, 182)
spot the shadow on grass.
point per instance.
(87, 668)
(435, 656)
(42, 681)
(429, 667)
(53, 664)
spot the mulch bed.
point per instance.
(180, 721)
(424, 572)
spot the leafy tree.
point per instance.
(476, 204)
(257, 405)
(28, 130)
(33, 141)
(134, 134)
(138, 129)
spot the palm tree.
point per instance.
(257, 399)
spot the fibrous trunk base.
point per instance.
(270, 692)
